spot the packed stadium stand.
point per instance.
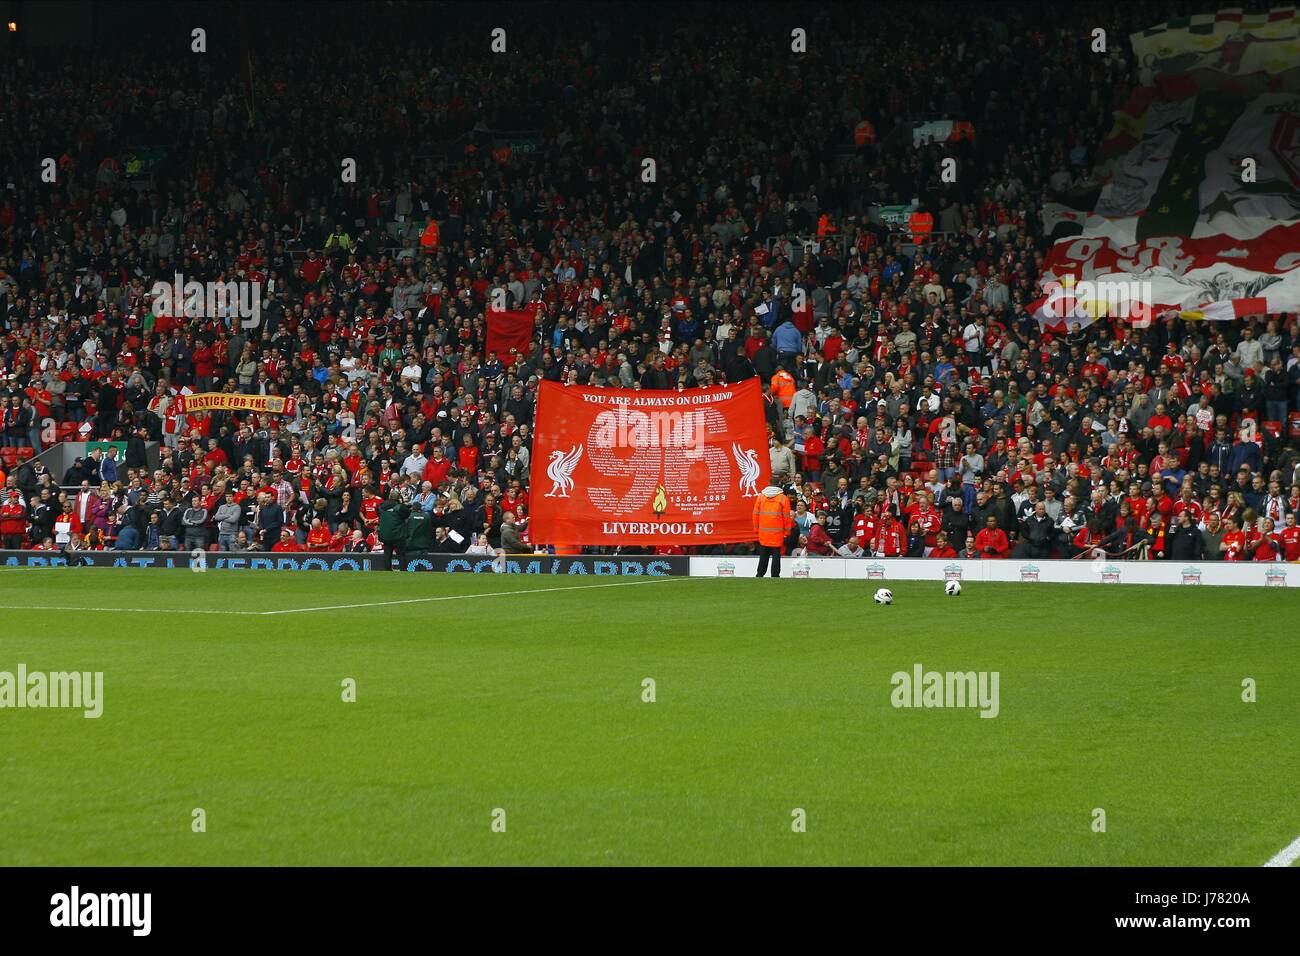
(382, 178)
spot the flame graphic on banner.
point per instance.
(659, 504)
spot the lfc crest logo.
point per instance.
(560, 471)
(747, 461)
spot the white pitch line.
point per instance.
(1287, 855)
(331, 607)
(133, 610)
(465, 597)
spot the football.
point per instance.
(884, 596)
(952, 588)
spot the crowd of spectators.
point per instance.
(915, 407)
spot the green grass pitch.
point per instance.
(769, 696)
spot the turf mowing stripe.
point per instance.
(463, 597)
(1287, 855)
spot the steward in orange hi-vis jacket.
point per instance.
(772, 522)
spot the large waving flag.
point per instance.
(1088, 278)
(1230, 42)
(1198, 210)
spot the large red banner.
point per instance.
(615, 466)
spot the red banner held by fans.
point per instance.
(508, 329)
(616, 466)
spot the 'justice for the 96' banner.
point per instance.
(627, 467)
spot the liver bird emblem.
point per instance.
(560, 471)
(747, 461)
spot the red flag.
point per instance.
(616, 466)
(507, 329)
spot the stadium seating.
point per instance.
(531, 167)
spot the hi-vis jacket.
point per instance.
(772, 518)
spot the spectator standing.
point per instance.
(195, 521)
(392, 528)
(227, 518)
(772, 521)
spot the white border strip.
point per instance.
(1014, 570)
